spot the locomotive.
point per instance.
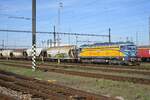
(112, 53)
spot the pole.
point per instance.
(59, 22)
(149, 30)
(69, 39)
(3, 45)
(131, 39)
(109, 35)
(58, 26)
(34, 34)
(7, 39)
(127, 39)
(69, 36)
(76, 40)
(137, 42)
(48, 43)
(51, 42)
(54, 37)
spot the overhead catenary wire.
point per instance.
(16, 17)
(63, 33)
(149, 30)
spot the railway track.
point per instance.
(87, 74)
(86, 65)
(43, 89)
(103, 69)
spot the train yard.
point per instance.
(47, 90)
(61, 50)
(133, 74)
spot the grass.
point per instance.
(128, 91)
(146, 65)
(102, 72)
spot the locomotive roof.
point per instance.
(107, 44)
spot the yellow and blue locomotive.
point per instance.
(112, 53)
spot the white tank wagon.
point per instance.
(7, 53)
(18, 53)
(62, 52)
(39, 52)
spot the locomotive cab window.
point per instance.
(122, 47)
(131, 47)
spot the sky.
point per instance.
(126, 18)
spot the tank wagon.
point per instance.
(144, 53)
(12, 53)
(18, 53)
(6, 53)
(112, 53)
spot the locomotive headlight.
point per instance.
(123, 59)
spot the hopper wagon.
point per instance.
(64, 53)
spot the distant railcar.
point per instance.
(12, 53)
(144, 53)
(7, 53)
(18, 53)
(117, 53)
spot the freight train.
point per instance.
(111, 53)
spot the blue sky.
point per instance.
(124, 17)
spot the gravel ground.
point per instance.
(16, 95)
